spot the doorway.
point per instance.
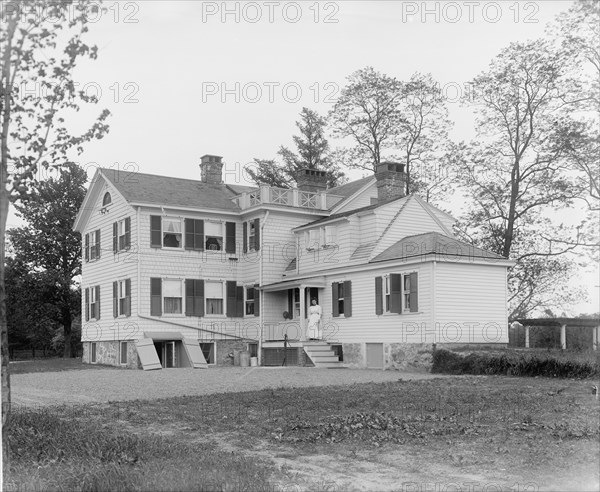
(167, 353)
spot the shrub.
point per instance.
(517, 363)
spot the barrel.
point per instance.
(253, 361)
(245, 359)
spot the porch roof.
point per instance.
(291, 284)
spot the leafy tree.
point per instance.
(312, 153)
(49, 246)
(421, 136)
(42, 41)
(31, 317)
(367, 113)
(518, 173)
(405, 121)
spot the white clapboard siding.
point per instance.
(364, 325)
(471, 303)
(108, 268)
(412, 220)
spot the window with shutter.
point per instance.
(256, 234)
(250, 301)
(194, 297)
(172, 296)
(155, 231)
(92, 303)
(155, 297)
(230, 246)
(379, 295)
(171, 232)
(395, 293)
(122, 235)
(213, 232)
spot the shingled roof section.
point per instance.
(348, 189)
(433, 243)
(174, 192)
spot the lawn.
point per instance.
(476, 432)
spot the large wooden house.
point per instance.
(185, 273)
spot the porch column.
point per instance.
(595, 333)
(563, 336)
(526, 336)
(302, 314)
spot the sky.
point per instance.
(188, 78)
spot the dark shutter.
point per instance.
(199, 234)
(128, 233)
(229, 237)
(291, 303)
(115, 299)
(395, 293)
(87, 304)
(194, 297)
(256, 234)
(115, 237)
(189, 237)
(87, 247)
(378, 295)
(97, 302)
(231, 299)
(334, 299)
(98, 248)
(245, 240)
(128, 297)
(347, 298)
(155, 296)
(155, 231)
(239, 293)
(414, 296)
(256, 301)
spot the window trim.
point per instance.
(121, 353)
(223, 299)
(163, 232)
(223, 236)
(214, 351)
(106, 202)
(162, 297)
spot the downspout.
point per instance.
(260, 283)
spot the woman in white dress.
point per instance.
(314, 321)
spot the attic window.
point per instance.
(107, 199)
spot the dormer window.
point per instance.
(107, 199)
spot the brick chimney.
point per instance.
(391, 181)
(311, 180)
(211, 169)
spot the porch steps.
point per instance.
(321, 355)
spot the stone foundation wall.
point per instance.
(107, 353)
(225, 350)
(354, 354)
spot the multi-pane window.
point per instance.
(213, 292)
(92, 245)
(172, 296)
(341, 298)
(171, 231)
(214, 235)
(406, 293)
(250, 300)
(121, 234)
(329, 235)
(92, 303)
(106, 199)
(397, 293)
(122, 298)
(123, 353)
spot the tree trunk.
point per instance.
(67, 324)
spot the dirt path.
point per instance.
(103, 385)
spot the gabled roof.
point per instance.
(349, 190)
(347, 213)
(433, 243)
(168, 191)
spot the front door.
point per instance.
(311, 293)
